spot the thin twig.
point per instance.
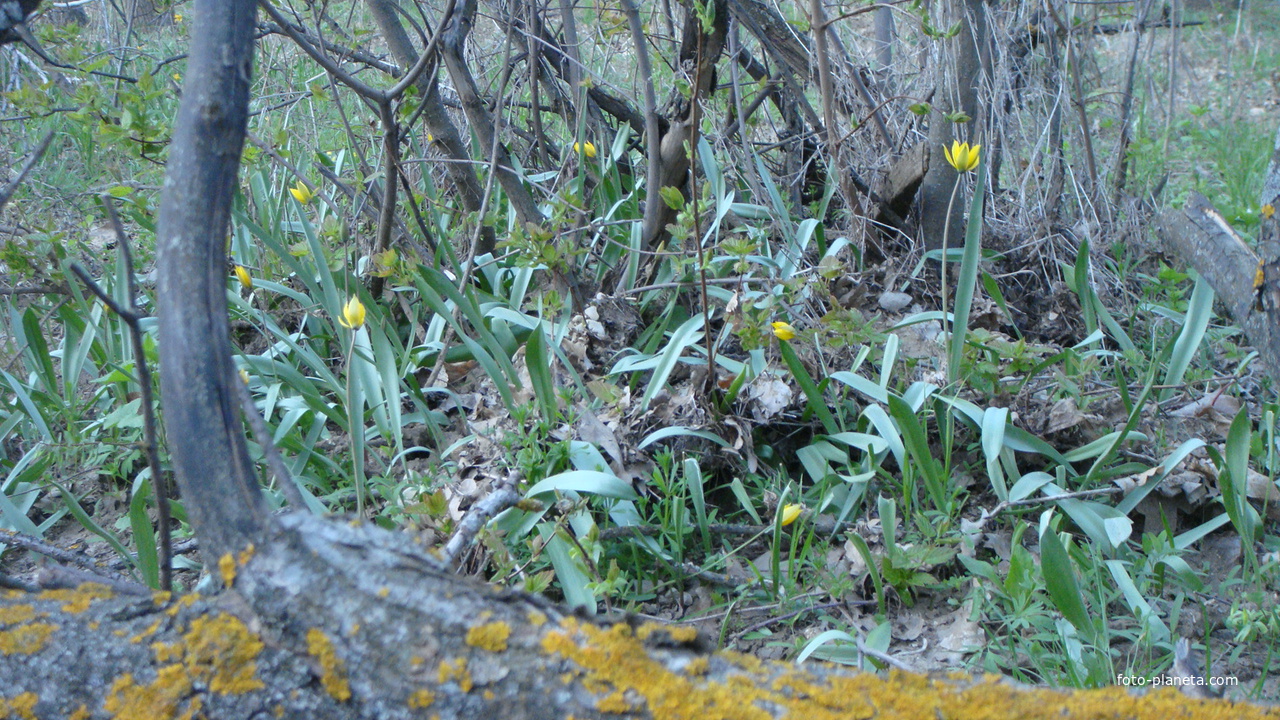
(500, 499)
(131, 316)
(32, 161)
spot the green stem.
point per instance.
(946, 231)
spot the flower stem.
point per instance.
(946, 231)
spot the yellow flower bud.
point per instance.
(790, 512)
(784, 331)
(962, 157)
(352, 314)
(301, 193)
(586, 149)
(242, 274)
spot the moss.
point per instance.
(21, 706)
(77, 600)
(421, 699)
(26, 639)
(456, 670)
(489, 636)
(333, 670)
(227, 569)
(616, 665)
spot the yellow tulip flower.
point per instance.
(790, 512)
(784, 331)
(352, 314)
(242, 274)
(962, 157)
(586, 149)
(301, 193)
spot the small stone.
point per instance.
(894, 301)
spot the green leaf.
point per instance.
(1060, 580)
(817, 403)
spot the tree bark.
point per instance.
(434, 115)
(959, 82)
(214, 474)
(1205, 240)
(452, 48)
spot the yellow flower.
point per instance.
(352, 314)
(790, 512)
(242, 274)
(587, 149)
(1268, 211)
(784, 331)
(962, 157)
(301, 193)
(177, 17)
(244, 376)
(177, 77)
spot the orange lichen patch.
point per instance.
(223, 651)
(16, 614)
(161, 598)
(456, 670)
(227, 568)
(489, 636)
(80, 713)
(145, 633)
(245, 555)
(19, 706)
(421, 699)
(537, 619)
(617, 665)
(159, 700)
(26, 639)
(333, 670)
(77, 600)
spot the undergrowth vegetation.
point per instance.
(1036, 447)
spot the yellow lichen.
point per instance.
(145, 633)
(77, 600)
(14, 614)
(26, 639)
(697, 666)
(221, 650)
(618, 667)
(333, 670)
(678, 633)
(80, 713)
(278, 711)
(160, 598)
(614, 702)
(456, 670)
(183, 602)
(488, 695)
(489, 636)
(537, 619)
(227, 568)
(21, 706)
(384, 591)
(421, 699)
(245, 555)
(158, 700)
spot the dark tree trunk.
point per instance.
(215, 476)
(959, 82)
(439, 124)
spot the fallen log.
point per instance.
(340, 620)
